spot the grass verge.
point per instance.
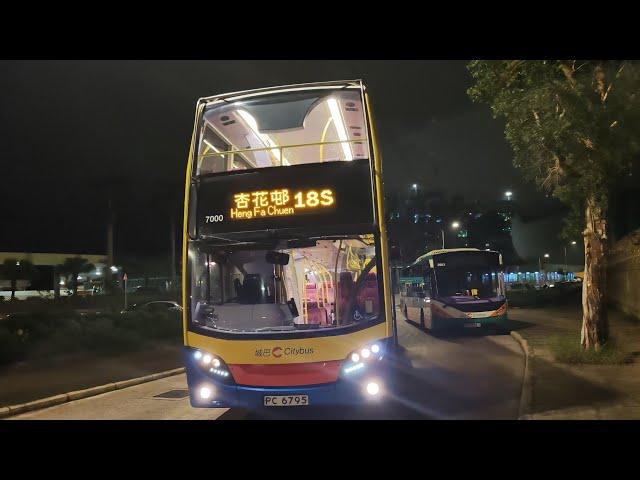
(567, 349)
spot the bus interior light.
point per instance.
(342, 132)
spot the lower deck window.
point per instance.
(249, 288)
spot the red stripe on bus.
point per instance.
(286, 375)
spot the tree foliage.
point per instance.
(13, 269)
(74, 266)
(573, 125)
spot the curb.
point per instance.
(527, 381)
(47, 402)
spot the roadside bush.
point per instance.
(41, 334)
(152, 325)
(12, 348)
(101, 335)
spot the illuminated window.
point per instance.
(283, 129)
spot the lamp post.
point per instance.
(539, 269)
(546, 255)
(454, 225)
(573, 242)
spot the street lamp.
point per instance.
(546, 255)
(508, 194)
(455, 225)
(573, 242)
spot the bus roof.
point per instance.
(282, 88)
(442, 251)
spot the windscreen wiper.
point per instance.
(274, 329)
(307, 326)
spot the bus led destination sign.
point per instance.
(279, 202)
(308, 196)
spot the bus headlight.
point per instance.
(373, 388)
(212, 365)
(358, 361)
(205, 393)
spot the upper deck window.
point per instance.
(282, 129)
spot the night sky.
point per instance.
(72, 128)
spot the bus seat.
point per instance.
(311, 293)
(317, 315)
(369, 293)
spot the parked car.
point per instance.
(143, 289)
(155, 307)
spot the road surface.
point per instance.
(471, 375)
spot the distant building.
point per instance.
(44, 263)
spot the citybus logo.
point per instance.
(278, 352)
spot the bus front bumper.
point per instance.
(442, 323)
(348, 391)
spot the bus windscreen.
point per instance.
(258, 288)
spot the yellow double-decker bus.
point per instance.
(286, 286)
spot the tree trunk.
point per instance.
(108, 276)
(595, 325)
(56, 283)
